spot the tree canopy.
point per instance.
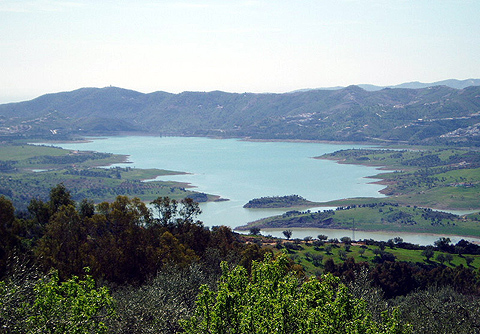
(274, 300)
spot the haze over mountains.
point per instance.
(453, 83)
(431, 115)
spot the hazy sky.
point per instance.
(235, 46)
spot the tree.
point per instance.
(40, 211)
(48, 305)
(287, 234)
(166, 210)
(74, 306)
(397, 240)
(459, 249)
(59, 195)
(117, 238)
(449, 258)
(394, 278)
(8, 241)
(157, 306)
(440, 310)
(189, 210)
(317, 260)
(62, 245)
(86, 208)
(322, 237)
(469, 260)
(441, 258)
(443, 243)
(272, 300)
(171, 251)
(428, 253)
(254, 230)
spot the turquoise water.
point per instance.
(242, 170)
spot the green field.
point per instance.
(24, 152)
(376, 216)
(435, 178)
(313, 258)
(30, 171)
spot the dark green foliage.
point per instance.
(17, 295)
(121, 242)
(443, 244)
(8, 239)
(40, 211)
(440, 311)
(69, 159)
(469, 260)
(278, 202)
(59, 196)
(428, 253)
(449, 258)
(401, 278)
(394, 278)
(287, 234)
(382, 256)
(433, 310)
(441, 258)
(296, 218)
(159, 304)
(254, 230)
(87, 208)
(165, 260)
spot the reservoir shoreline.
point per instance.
(242, 169)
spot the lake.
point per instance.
(242, 170)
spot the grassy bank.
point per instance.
(438, 178)
(376, 216)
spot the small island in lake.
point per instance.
(270, 202)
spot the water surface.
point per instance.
(242, 170)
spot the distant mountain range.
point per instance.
(433, 115)
(452, 83)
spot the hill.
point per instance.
(289, 201)
(433, 115)
(452, 83)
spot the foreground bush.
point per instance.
(46, 305)
(157, 306)
(273, 300)
(440, 311)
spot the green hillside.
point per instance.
(433, 115)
